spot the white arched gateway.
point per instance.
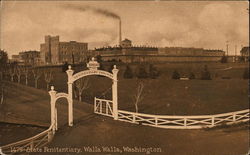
(93, 70)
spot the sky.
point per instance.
(201, 24)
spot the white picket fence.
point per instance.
(26, 145)
(104, 107)
(184, 122)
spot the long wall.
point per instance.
(168, 54)
(160, 58)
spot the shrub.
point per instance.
(175, 75)
(99, 58)
(246, 73)
(153, 72)
(128, 74)
(101, 67)
(205, 74)
(142, 73)
(65, 67)
(223, 59)
(191, 75)
(111, 68)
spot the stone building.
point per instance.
(126, 43)
(30, 57)
(130, 53)
(55, 52)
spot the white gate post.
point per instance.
(52, 94)
(115, 93)
(70, 97)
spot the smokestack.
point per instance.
(120, 32)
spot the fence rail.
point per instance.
(26, 145)
(184, 122)
(103, 107)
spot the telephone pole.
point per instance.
(227, 48)
(235, 53)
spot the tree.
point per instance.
(191, 75)
(48, 77)
(139, 95)
(99, 58)
(153, 72)
(205, 74)
(65, 67)
(12, 73)
(128, 74)
(3, 57)
(111, 67)
(36, 74)
(223, 59)
(175, 75)
(142, 73)
(18, 72)
(101, 67)
(26, 74)
(81, 85)
(2, 92)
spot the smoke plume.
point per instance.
(94, 10)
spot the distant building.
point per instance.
(130, 53)
(55, 52)
(126, 43)
(29, 57)
(15, 58)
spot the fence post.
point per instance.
(156, 121)
(107, 112)
(100, 106)
(95, 105)
(185, 121)
(212, 120)
(133, 117)
(234, 117)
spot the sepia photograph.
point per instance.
(133, 77)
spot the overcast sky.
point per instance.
(190, 24)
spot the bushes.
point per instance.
(65, 67)
(191, 76)
(153, 72)
(223, 59)
(128, 74)
(205, 74)
(142, 72)
(175, 75)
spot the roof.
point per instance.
(126, 40)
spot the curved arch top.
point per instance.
(61, 95)
(91, 72)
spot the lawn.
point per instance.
(31, 106)
(166, 96)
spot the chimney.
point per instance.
(120, 31)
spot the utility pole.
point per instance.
(235, 53)
(227, 48)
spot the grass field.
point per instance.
(31, 106)
(166, 96)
